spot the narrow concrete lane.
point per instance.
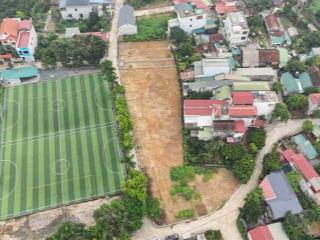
(225, 218)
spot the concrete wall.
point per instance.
(127, 29)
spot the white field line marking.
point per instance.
(59, 133)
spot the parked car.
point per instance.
(172, 237)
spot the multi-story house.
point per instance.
(189, 18)
(75, 9)
(21, 35)
(27, 40)
(236, 29)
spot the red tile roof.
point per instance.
(305, 168)
(102, 35)
(23, 39)
(240, 126)
(287, 154)
(236, 111)
(201, 103)
(25, 24)
(216, 37)
(10, 27)
(266, 187)
(268, 56)
(242, 98)
(6, 56)
(260, 233)
(223, 7)
(198, 111)
(272, 21)
(315, 98)
(200, 107)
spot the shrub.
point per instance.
(252, 209)
(271, 162)
(182, 173)
(186, 213)
(153, 208)
(257, 136)
(243, 168)
(213, 235)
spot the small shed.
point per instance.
(127, 21)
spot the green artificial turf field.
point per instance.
(58, 145)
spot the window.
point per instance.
(244, 32)
(25, 52)
(76, 9)
(243, 38)
(199, 17)
(70, 15)
(81, 15)
(190, 25)
(190, 19)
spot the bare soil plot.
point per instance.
(149, 75)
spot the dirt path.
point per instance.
(149, 75)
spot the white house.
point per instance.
(189, 17)
(236, 29)
(265, 102)
(212, 66)
(127, 21)
(75, 9)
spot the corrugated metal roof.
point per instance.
(18, 73)
(305, 80)
(305, 146)
(289, 83)
(251, 86)
(126, 16)
(285, 199)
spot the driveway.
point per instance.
(225, 218)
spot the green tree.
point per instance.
(20, 14)
(252, 209)
(281, 111)
(108, 71)
(177, 35)
(253, 149)
(271, 162)
(232, 153)
(153, 208)
(243, 168)
(259, 5)
(257, 136)
(70, 230)
(294, 66)
(95, 50)
(294, 227)
(294, 179)
(136, 185)
(317, 146)
(277, 87)
(297, 101)
(307, 126)
(316, 60)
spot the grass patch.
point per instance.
(314, 6)
(150, 28)
(206, 173)
(186, 213)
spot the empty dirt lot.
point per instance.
(149, 75)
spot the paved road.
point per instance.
(225, 218)
(113, 37)
(154, 11)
